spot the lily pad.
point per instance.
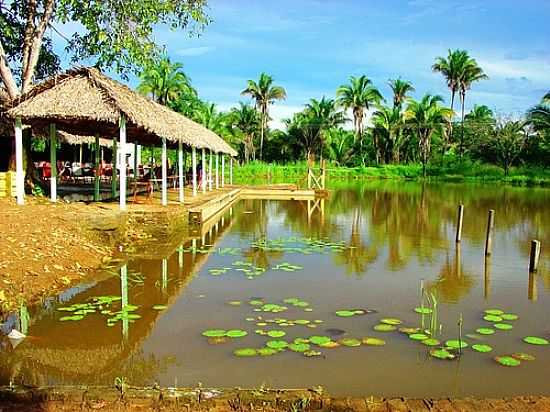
(277, 344)
(267, 351)
(431, 342)
(383, 327)
(217, 341)
(535, 340)
(507, 361)
(441, 354)
(391, 321)
(350, 342)
(319, 340)
(299, 347)
(492, 318)
(496, 312)
(455, 344)
(482, 348)
(503, 326)
(374, 341)
(234, 303)
(245, 352)
(312, 353)
(159, 307)
(236, 333)
(330, 344)
(509, 316)
(276, 333)
(345, 313)
(485, 331)
(302, 321)
(418, 336)
(423, 311)
(214, 333)
(523, 356)
(73, 318)
(408, 331)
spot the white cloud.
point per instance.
(531, 68)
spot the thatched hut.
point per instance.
(84, 101)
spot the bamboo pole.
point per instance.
(210, 170)
(534, 256)
(194, 171)
(53, 163)
(97, 168)
(203, 171)
(114, 170)
(19, 173)
(164, 173)
(122, 131)
(180, 172)
(489, 237)
(459, 221)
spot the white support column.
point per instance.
(19, 174)
(217, 174)
(194, 161)
(180, 171)
(210, 170)
(53, 163)
(223, 169)
(80, 154)
(203, 171)
(122, 149)
(231, 170)
(164, 174)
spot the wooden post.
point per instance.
(164, 173)
(203, 171)
(459, 221)
(19, 173)
(231, 170)
(53, 163)
(180, 172)
(223, 169)
(210, 170)
(194, 166)
(136, 163)
(534, 256)
(489, 238)
(487, 278)
(309, 177)
(217, 174)
(80, 154)
(124, 299)
(97, 165)
(123, 162)
(114, 171)
(323, 171)
(532, 293)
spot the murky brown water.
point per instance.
(395, 233)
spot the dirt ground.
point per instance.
(44, 248)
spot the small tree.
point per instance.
(507, 141)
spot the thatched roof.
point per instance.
(84, 101)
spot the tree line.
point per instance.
(399, 131)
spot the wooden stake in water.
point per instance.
(534, 256)
(459, 221)
(489, 238)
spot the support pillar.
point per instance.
(122, 162)
(114, 171)
(217, 174)
(180, 172)
(164, 173)
(223, 170)
(210, 170)
(53, 163)
(194, 166)
(19, 174)
(97, 169)
(231, 170)
(136, 163)
(203, 171)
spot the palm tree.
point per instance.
(480, 114)
(208, 115)
(452, 68)
(340, 144)
(401, 90)
(388, 122)
(323, 116)
(471, 72)
(426, 117)
(264, 93)
(539, 116)
(247, 120)
(165, 81)
(546, 98)
(358, 96)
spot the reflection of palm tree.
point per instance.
(452, 282)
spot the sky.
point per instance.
(310, 47)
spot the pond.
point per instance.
(269, 272)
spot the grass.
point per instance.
(467, 171)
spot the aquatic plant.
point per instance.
(507, 361)
(246, 352)
(535, 340)
(482, 348)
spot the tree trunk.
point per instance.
(462, 100)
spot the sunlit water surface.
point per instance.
(395, 236)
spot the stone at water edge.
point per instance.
(16, 335)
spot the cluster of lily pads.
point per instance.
(251, 271)
(104, 306)
(306, 246)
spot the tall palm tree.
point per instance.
(401, 89)
(388, 122)
(264, 93)
(546, 98)
(426, 117)
(451, 67)
(359, 95)
(165, 81)
(539, 116)
(323, 115)
(247, 120)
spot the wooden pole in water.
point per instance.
(534, 256)
(532, 293)
(203, 171)
(122, 194)
(180, 172)
(53, 163)
(97, 169)
(164, 160)
(194, 171)
(489, 238)
(459, 221)
(114, 170)
(487, 278)
(217, 173)
(210, 170)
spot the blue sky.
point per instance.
(312, 46)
